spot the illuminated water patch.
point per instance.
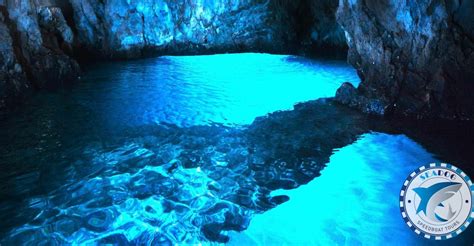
(200, 90)
(132, 155)
(354, 202)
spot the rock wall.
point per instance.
(13, 82)
(136, 28)
(315, 27)
(33, 47)
(414, 57)
(132, 28)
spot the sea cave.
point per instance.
(253, 122)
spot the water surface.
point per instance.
(184, 150)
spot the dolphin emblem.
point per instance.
(433, 196)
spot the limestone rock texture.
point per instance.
(136, 28)
(130, 28)
(33, 44)
(415, 58)
(13, 81)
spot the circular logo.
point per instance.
(436, 201)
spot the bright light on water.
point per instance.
(131, 155)
(354, 202)
(199, 90)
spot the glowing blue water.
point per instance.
(196, 90)
(354, 202)
(161, 151)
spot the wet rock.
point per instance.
(13, 82)
(35, 41)
(128, 28)
(414, 58)
(347, 94)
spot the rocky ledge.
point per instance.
(414, 57)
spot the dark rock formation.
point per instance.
(314, 25)
(33, 49)
(130, 29)
(41, 33)
(134, 28)
(13, 81)
(414, 58)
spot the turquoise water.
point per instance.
(229, 89)
(346, 207)
(211, 149)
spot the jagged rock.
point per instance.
(126, 28)
(52, 20)
(35, 42)
(13, 81)
(40, 44)
(129, 28)
(347, 94)
(414, 58)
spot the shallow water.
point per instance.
(181, 150)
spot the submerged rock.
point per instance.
(169, 183)
(414, 58)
